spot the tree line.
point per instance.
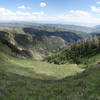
(75, 52)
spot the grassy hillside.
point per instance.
(32, 68)
(12, 29)
(28, 79)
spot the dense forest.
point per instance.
(74, 53)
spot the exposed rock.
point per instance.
(29, 46)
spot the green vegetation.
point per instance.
(22, 79)
(82, 52)
(28, 46)
(23, 83)
(35, 69)
(47, 28)
(17, 72)
(74, 76)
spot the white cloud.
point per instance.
(43, 4)
(75, 16)
(98, 2)
(6, 14)
(23, 7)
(71, 16)
(20, 13)
(79, 13)
(94, 9)
(38, 13)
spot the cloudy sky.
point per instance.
(58, 11)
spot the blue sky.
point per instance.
(58, 11)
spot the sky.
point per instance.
(86, 12)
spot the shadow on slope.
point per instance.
(67, 36)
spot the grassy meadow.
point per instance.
(23, 79)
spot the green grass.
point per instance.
(37, 69)
(12, 29)
(35, 80)
(22, 79)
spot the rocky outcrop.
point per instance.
(8, 39)
(29, 46)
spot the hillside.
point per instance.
(19, 28)
(32, 46)
(81, 52)
(44, 81)
(66, 35)
(72, 73)
(37, 40)
(28, 79)
(81, 31)
(44, 29)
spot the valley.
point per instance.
(49, 62)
